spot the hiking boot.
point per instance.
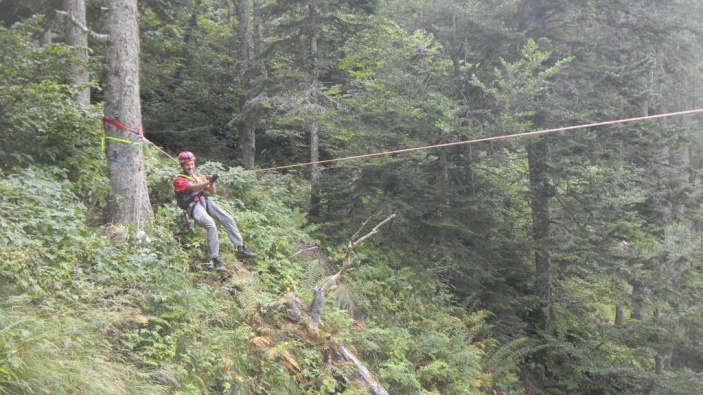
(219, 266)
(244, 253)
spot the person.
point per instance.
(191, 195)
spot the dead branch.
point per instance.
(363, 373)
(353, 242)
(293, 302)
(97, 36)
(283, 300)
(319, 293)
(302, 250)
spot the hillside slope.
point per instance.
(101, 309)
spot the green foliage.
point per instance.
(188, 85)
(41, 115)
(522, 90)
(442, 300)
(61, 349)
(419, 346)
(163, 327)
(43, 236)
(396, 106)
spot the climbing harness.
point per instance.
(186, 200)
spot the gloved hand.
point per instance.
(213, 178)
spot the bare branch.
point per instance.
(319, 293)
(363, 225)
(375, 229)
(363, 372)
(283, 300)
(97, 36)
(350, 247)
(301, 251)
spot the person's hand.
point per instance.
(213, 178)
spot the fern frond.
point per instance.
(260, 341)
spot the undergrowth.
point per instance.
(119, 310)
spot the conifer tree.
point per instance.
(307, 38)
(125, 159)
(77, 37)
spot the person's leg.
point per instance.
(227, 221)
(202, 218)
(230, 226)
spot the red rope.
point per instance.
(123, 127)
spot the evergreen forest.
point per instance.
(446, 197)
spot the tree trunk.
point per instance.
(619, 315)
(638, 299)
(248, 118)
(247, 142)
(258, 39)
(46, 37)
(130, 201)
(78, 38)
(673, 212)
(444, 169)
(314, 170)
(540, 190)
(314, 126)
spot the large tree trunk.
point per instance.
(314, 126)
(247, 141)
(541, 193)
(248, 114)
(77, 37)
(315, 174)
(130, 201)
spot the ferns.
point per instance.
(115, 310)
(503, 363)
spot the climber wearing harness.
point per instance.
(190, 189)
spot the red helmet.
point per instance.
(186, 156)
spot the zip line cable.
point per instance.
(162, 151)
(502, 137)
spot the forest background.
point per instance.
(559, 263)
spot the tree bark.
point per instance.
(638, 300)
(130, 201)
(314, 126)
(315, 174)
(619, 315)
(541, 193)
(363, 375)
(77, 37)
(248, 114)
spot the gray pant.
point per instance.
(205, 212)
